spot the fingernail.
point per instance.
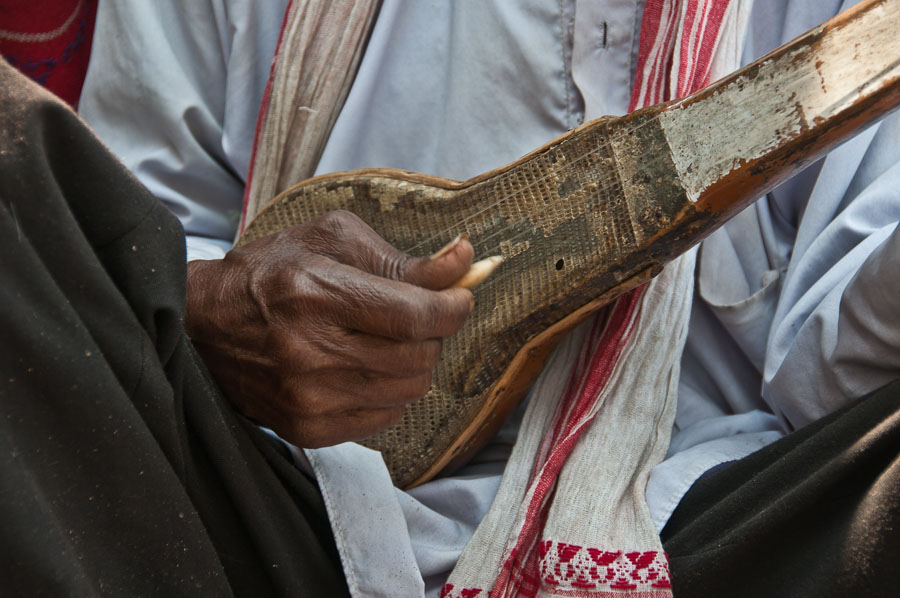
(449, 246)
(478, 272)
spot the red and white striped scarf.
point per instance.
(677, 45)
(537, 538)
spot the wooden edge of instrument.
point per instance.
(437, 181)
(518, 379)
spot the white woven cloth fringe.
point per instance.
(598, 535)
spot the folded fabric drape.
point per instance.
(315, 63)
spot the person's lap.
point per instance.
(813, 514)
(125, 471)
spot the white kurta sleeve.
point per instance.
(835, 334)
(792, 317)
(174, 89)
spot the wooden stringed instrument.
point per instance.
(599, 211)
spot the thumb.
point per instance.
(443, 268)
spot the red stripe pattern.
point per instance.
(700, 34)
(261, 117)
(575, 412)
(704, 21)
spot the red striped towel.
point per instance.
(570, 518)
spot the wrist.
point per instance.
(200, 279)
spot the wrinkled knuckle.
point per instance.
(401, 267)
(346, 217)
(276, 279)
(294, 280)
(395, 268)
(277, 289)
(345, 223)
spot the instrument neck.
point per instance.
(754, 129)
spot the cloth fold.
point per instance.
(319, 50)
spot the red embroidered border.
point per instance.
(572, 570)
(582, 568)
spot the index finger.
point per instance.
(394, 309)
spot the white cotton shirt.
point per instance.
(795, 301)
(173, 88)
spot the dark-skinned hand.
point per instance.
(324, 331)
